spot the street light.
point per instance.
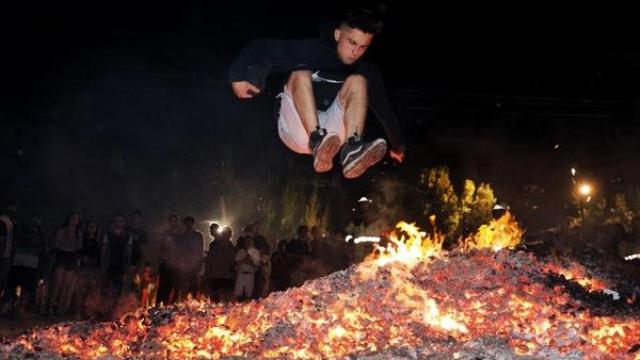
(585, 190)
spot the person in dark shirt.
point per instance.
(91, 246)
(116, 250)
(138, 237)
(280, 268)
(299, 246)
(7, 234)
(332, 64)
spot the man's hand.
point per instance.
(397, 155)
(244, 89)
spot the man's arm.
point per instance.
(244, 89)
(381, 107)
(260, 57)
(250, 68)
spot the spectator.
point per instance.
(214, 231)
(25, 272)
(247, 261)
(220, 263)
(89, 274)
(166, 274)
(7, 231)
(247, 233)
(259, 241)
(263, 272)
(91, 246)
(299, 246)
(138, 237)
(189, 263)
(116, 254)
(280, 268)
(67, 245)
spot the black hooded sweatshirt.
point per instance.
(261, 57)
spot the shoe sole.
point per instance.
(327, 150)
(366, 160)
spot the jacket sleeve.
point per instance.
(261, 57)
(252, 63)
(381, 107)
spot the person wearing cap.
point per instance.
(366, 221)
(499, 210)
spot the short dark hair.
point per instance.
(227, 231)
(189, 219)
(364, 20)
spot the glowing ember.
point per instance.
(579, 274)
(410, 294)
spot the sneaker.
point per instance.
(357, 156)
(324, 148)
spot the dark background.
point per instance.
(108, 105)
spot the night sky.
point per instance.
(109, 105)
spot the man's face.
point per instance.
(352, 43)
(173, 221)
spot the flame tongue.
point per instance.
(408, 294)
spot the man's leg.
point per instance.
(323, 146)
(356, 156)
(301, 89)
(353, 97)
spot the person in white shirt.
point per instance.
(247, 261)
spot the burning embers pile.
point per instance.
(409, 300)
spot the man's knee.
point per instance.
(297, 78)
(356, 82)
(354, 85)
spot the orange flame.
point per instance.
(502, 233)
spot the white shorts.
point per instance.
(292, 132)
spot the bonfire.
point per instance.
(409, 300)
